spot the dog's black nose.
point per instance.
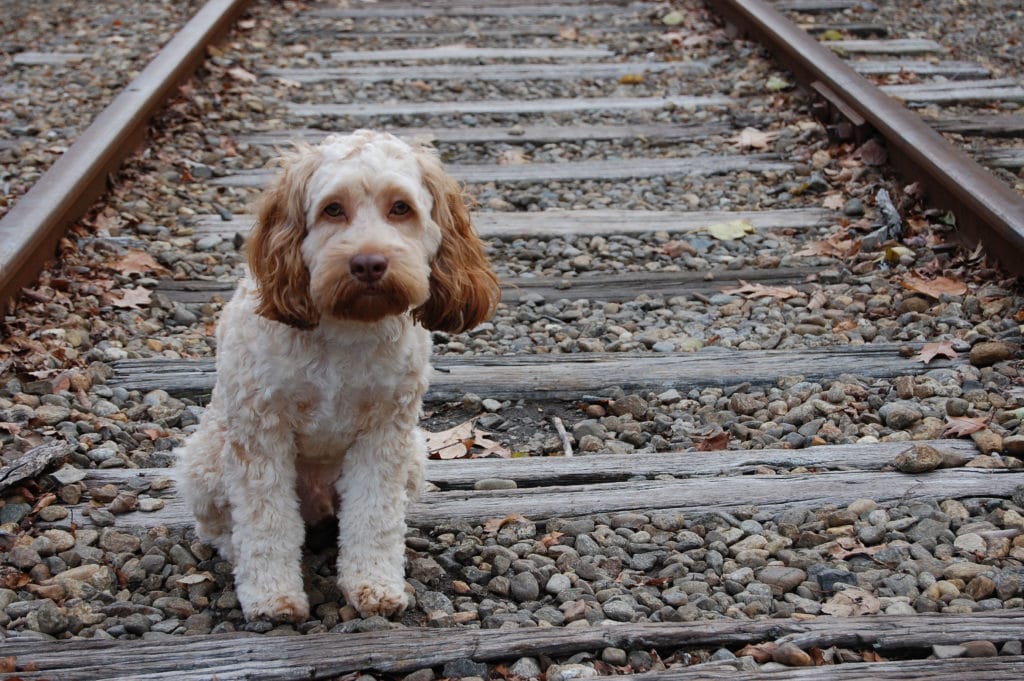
(368, 267)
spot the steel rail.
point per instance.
(986, 209)
(31, 230)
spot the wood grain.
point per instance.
(563, 223)
(320, 656)
(570, 376)
(621, 169)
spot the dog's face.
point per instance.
(364, 226)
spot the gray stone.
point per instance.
(524, 587)
(557, 584)
(464, 667)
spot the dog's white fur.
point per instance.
(321, 369)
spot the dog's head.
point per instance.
(364, 226)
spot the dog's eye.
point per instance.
(400, 208)
(334, 210)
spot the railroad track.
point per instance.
(721, 349)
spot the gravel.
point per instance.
(61, 578)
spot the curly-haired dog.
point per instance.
(362, 245)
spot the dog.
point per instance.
(362, 246)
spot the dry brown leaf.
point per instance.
(464, 440)
(752, 138)
(834, 202)
(136, 261)
(714, 443)
(961, 426)
(551, 538)
(852, 602)
(495, 524)
(761, 652)
(512, 157)
(934, 288)
(932, 350)
(568, 33)
(130, 298)
(756, 290)
(836, 246)
(844, 547)
(11, 428)
(872, 153)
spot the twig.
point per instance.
(563, 436)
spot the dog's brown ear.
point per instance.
(464, 291)
(274, 247)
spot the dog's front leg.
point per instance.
(267, 530)
(371, 520)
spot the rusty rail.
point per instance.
(986, 209)
(31, 230)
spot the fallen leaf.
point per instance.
(834, 202)
(512, 157)
(836, 246)
(632, 79)
(551, 538)
(130, 298)
(831, 34)
(752, 138)
(495, 524)
(845, 547)
(460, 441)
(714, 443)
(136, 261)
(777, 83)
(756, 290)
(872, 153)
(673, 18)
(761, 652)
(852, 602)
(932, 350)
(674, 248)
(568, 33)
(196, 578)
(935, 288)
(240, 74)
(964, 425)
(730, 231)
(11, 428)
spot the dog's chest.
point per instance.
(346, 394)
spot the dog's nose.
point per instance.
(368, 267)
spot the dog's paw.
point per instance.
(383, 598)
(279, 608)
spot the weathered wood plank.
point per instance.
(574, 170)
(488, 72)
(1002, 158)
(947, 69)
(605, 287)
(564, 223)
(492, 106)
(815, 6)
(652, 133)
(995, 125)
(948, 92)
(466, 52)
(538, 471)
(50, 58)
(567, 377)
(892, 46)
(1006, 669)
(33, 462)
(233, 656)
(690, 496)
(469, 10)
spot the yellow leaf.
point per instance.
(632, 79)
(729, 231)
